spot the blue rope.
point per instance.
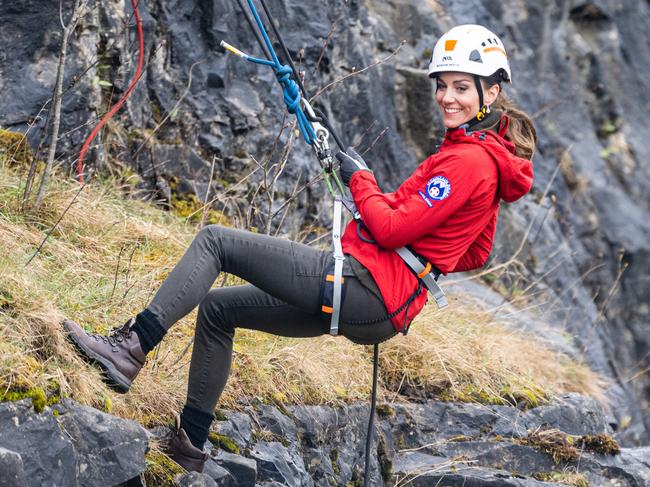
(290, 89)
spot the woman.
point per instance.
(445, 212)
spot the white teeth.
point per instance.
(452, 110)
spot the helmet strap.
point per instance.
(485, 109)
(479, 88)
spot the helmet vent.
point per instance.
(475, 56)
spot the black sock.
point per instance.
(196, 424)
(149, 331)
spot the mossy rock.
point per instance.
(161, 470)
(558, 444)
(385, 411)
(36, 394)
(224, 442)
(14, 148)
(601, 443)
(568, 478)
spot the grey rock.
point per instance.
(631, 467)
(277, 462)
(413, 463)
(48, 456)
(109, 449)
(501, 456)
(574, 414)
(195, 479)
(220, 475)
(271, 419)
(11, 466)
(242, 469)
(238, 427)
(467, 476)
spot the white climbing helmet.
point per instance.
(470, 49)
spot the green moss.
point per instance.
(36, 394)
(224, 442)
(485, 429)
(14, 148)
(609, 127)
(240, 153)
(39, 399)
(385, 411)
(7, 300)
(189, 206)
(219, 415)
(601, 443)
(106, 403)
(334, 458)
(559, 445)
(567, 478)
(160, 470)
(460, 438)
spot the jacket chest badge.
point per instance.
(438, 188)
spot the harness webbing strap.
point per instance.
(338, 265)
(428, 280)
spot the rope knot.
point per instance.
(290, 88)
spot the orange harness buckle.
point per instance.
(426, 270)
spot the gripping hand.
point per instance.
(351, 162)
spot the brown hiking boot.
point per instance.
(180, 449)
(118, 354)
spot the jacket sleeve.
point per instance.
(417, 214)
(478, 253)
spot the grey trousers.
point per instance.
(283, 298)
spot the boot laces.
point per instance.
(117, 335)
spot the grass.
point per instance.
(110, 253)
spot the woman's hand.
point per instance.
(351, 162)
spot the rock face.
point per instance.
(68, 446)
(580, 68)
(414, 444)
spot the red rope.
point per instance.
(119, 104)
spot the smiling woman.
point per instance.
(445, 212)
(458, 97)
(469, 64)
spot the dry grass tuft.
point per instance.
(107, 258)
(460, 353)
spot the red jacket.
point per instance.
(446, 211)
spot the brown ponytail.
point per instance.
(521, 130)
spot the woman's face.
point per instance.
(457, 98)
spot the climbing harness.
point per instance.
(316, 130)
(118, 105)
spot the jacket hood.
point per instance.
(515, 173)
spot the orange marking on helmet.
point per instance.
(490, 49)
(450, 44)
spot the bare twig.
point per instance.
(169, 113)
(204, 213)
(326, 43)
(81, 188)
(117, 271)
(68, 28)
(622, 266)
(355, 72)
(374, 142)
(128, 274)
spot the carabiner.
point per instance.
(320, 130)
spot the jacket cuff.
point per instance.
(359, 177)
